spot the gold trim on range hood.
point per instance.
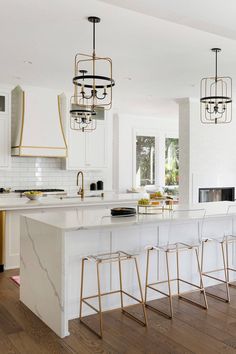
(21, 150)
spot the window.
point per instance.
(171, 162)
(156, 161)
(2, 103)
(145, 160)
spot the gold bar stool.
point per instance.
(183, 236)
(99, 259)
(226, 235)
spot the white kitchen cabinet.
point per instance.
(95, 147)
(76, 150)
(5, 154)
(87, 150)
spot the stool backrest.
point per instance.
(186, 226)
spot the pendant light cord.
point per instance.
(216, 66)
(94, 38)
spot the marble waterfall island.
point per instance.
(53, 243)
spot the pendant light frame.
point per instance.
(216, 97)
(91, 91)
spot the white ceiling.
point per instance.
(165, 60)
(214, 16)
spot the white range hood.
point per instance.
(37, 124)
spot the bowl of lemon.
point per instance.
(33, 195)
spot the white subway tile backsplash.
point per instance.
(30, 172)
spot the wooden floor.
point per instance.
(191, 331)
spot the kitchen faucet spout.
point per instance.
(81, 189)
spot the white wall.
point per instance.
(207, 152)
(123, 155)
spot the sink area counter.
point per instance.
(12, 207)
(57, 201)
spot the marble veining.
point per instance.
(44, 269)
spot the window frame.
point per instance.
(160, 137)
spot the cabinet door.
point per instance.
(76, 150)
(5, 152)
(95, 150)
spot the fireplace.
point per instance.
(216, 194)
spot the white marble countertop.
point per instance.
(23, 203)
(92, 218)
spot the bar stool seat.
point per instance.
(174, 246)
(179, 230)
(119, 257)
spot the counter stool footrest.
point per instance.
(89, 305)
(220, 298)
(214, 278)
(159, 291)
(102, 294)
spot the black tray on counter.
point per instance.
(123, 211)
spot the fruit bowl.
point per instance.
(33, 195)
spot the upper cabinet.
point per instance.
(4, 131)
(95, 147)
(37, 122)
(87, 150)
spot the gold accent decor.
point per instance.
(23, 117)
(153, 286)
(20, 146)
(38, 147)
(60, 118)
(2, 236)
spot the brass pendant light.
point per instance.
(216, 97)
(93, 83)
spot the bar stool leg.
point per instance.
(147, 272)
(177, 268)
(121, 285)
(225, 272)
(99, 301)
(227, 258)
(81, 288)
(201, 280)
(169, 285)
(141, 293)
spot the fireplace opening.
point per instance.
(216, 194)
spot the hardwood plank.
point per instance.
(193, 330)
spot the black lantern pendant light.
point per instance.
(93, 83)
(216, 97)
